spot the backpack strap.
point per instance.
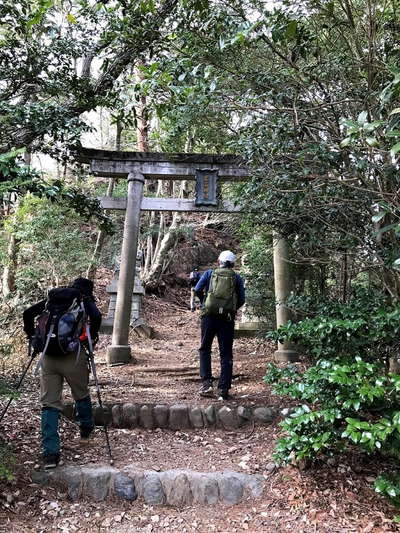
(85, 327)
(210, 284)
(40, 361)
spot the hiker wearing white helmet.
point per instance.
(222, 293)
(226, 256)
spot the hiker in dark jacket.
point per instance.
(71, 367)
(218, 319)
(194, 278)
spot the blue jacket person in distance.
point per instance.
(222, 293)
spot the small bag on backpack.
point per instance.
(221, 297)
(61, 324)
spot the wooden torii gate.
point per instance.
(136, 167)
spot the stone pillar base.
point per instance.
(248, 329)
(286, 356)
(118, 355)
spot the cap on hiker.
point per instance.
(84, 285)
(226, 256)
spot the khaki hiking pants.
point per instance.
(54, 370)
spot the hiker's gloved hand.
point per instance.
(30, 339)
(32, 345)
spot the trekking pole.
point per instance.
(32, 355)
(93, 369)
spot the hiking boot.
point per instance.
(223, 394)
(84, 416)
(51, 461)
(206, 389)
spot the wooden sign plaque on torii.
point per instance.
(136, 167)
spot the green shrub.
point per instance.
(54, 246)
(389, 485)
(347, 403)
(365, 327)
(347, 397)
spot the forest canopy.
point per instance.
(306, 91)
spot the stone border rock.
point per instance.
(179, 416)
(171, 487)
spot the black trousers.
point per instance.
(211, 327)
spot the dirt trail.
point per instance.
(335, 497)
(167, 367)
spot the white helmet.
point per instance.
(225, 256)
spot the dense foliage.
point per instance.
(349, 396)
(367, 326)
(308, 93)
(53, 245)
(354, 403)
(47, 52)
(18, 179)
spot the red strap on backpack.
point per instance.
(83, 336)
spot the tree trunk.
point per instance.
(152, 186)
(10, 268)
(344, 277)
(151, 280)
(149, 249)
(160, 235)
(101, 235)
(142, 115)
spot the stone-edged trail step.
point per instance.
(168, 370)
(179, 416)
(170, 487)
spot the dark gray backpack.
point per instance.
(60, 325)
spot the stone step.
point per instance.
(171, 487)
(169, 370)
(138, 325)
(251, 329)
(179, 416)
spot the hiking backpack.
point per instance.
(61, 324)
(221, 299)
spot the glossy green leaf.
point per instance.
(291, 30)
(395, 149)
(362, 118)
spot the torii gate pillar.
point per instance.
(120, 352)
(285, 351)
